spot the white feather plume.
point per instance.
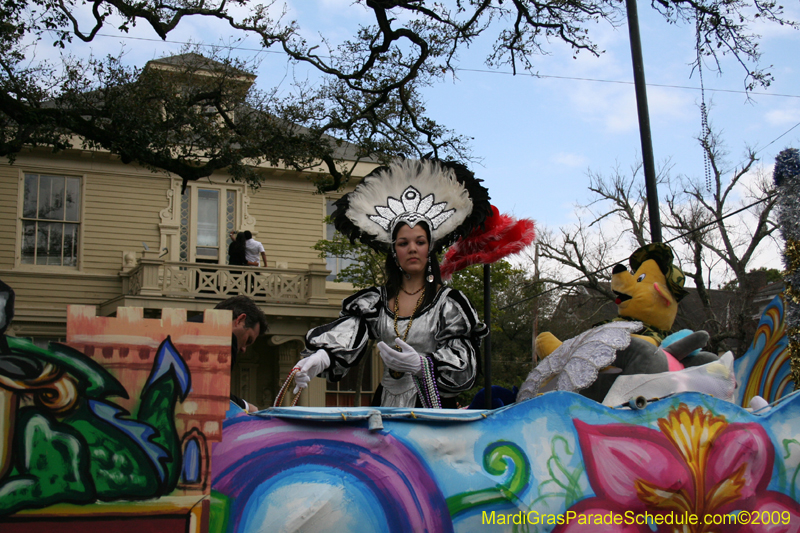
(371, 197)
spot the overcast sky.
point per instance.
(536, 137)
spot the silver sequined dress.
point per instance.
(447, 330)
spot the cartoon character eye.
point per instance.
(640, 278)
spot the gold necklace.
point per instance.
(394, 373)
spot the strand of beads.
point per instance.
(422, 394)
(285, 387)
(395, 374)
(430, 378)
(426, 385)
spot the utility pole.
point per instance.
(487, 342)
(535, 328)
(644, 121)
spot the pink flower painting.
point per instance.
(695, 464)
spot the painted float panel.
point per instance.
(113, 428)
(524, 467)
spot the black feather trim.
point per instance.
(346, 227)
(481, 206)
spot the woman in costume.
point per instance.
(429, 334)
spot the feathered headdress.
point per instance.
(444, 195)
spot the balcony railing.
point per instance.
(154, 277)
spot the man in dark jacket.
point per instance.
(249, 323)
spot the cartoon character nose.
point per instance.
(619, 268)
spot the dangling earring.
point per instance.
(429, 279)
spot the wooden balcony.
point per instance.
(153, 277)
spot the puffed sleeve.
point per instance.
(345, 339)
(458, 340)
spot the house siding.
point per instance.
(289, 221)
(119, 215)
(119, 211)
(9, 191)
(43, 297)
(121, 207)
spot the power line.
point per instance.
(704, 226)
(544, 76)
(606, 267)
(674, 238)
(228, 46)
(261, 50)
(600, 80)
(482, 71)
(778, 137)
(679, 236)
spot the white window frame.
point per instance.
(225, 226)
(21, 221)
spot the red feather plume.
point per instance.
(501, 236)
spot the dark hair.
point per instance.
(237, 250)
(248, 235)
(240, 241)
(394, 276)
(244, 304)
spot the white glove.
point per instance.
(406, 360)
(309, 367)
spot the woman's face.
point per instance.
(411, 247)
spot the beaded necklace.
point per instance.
(412, 293)
(395, 374)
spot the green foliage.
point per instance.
(366, 268)
(511, 327)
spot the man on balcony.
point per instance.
(254, 249)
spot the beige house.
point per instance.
(81, 227)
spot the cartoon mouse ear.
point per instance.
(6, 306)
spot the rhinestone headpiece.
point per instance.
(411, 209)
(446, 196)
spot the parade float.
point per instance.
(122, 427)
(127, 426)
(556, 462)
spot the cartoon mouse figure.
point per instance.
(649, 293)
